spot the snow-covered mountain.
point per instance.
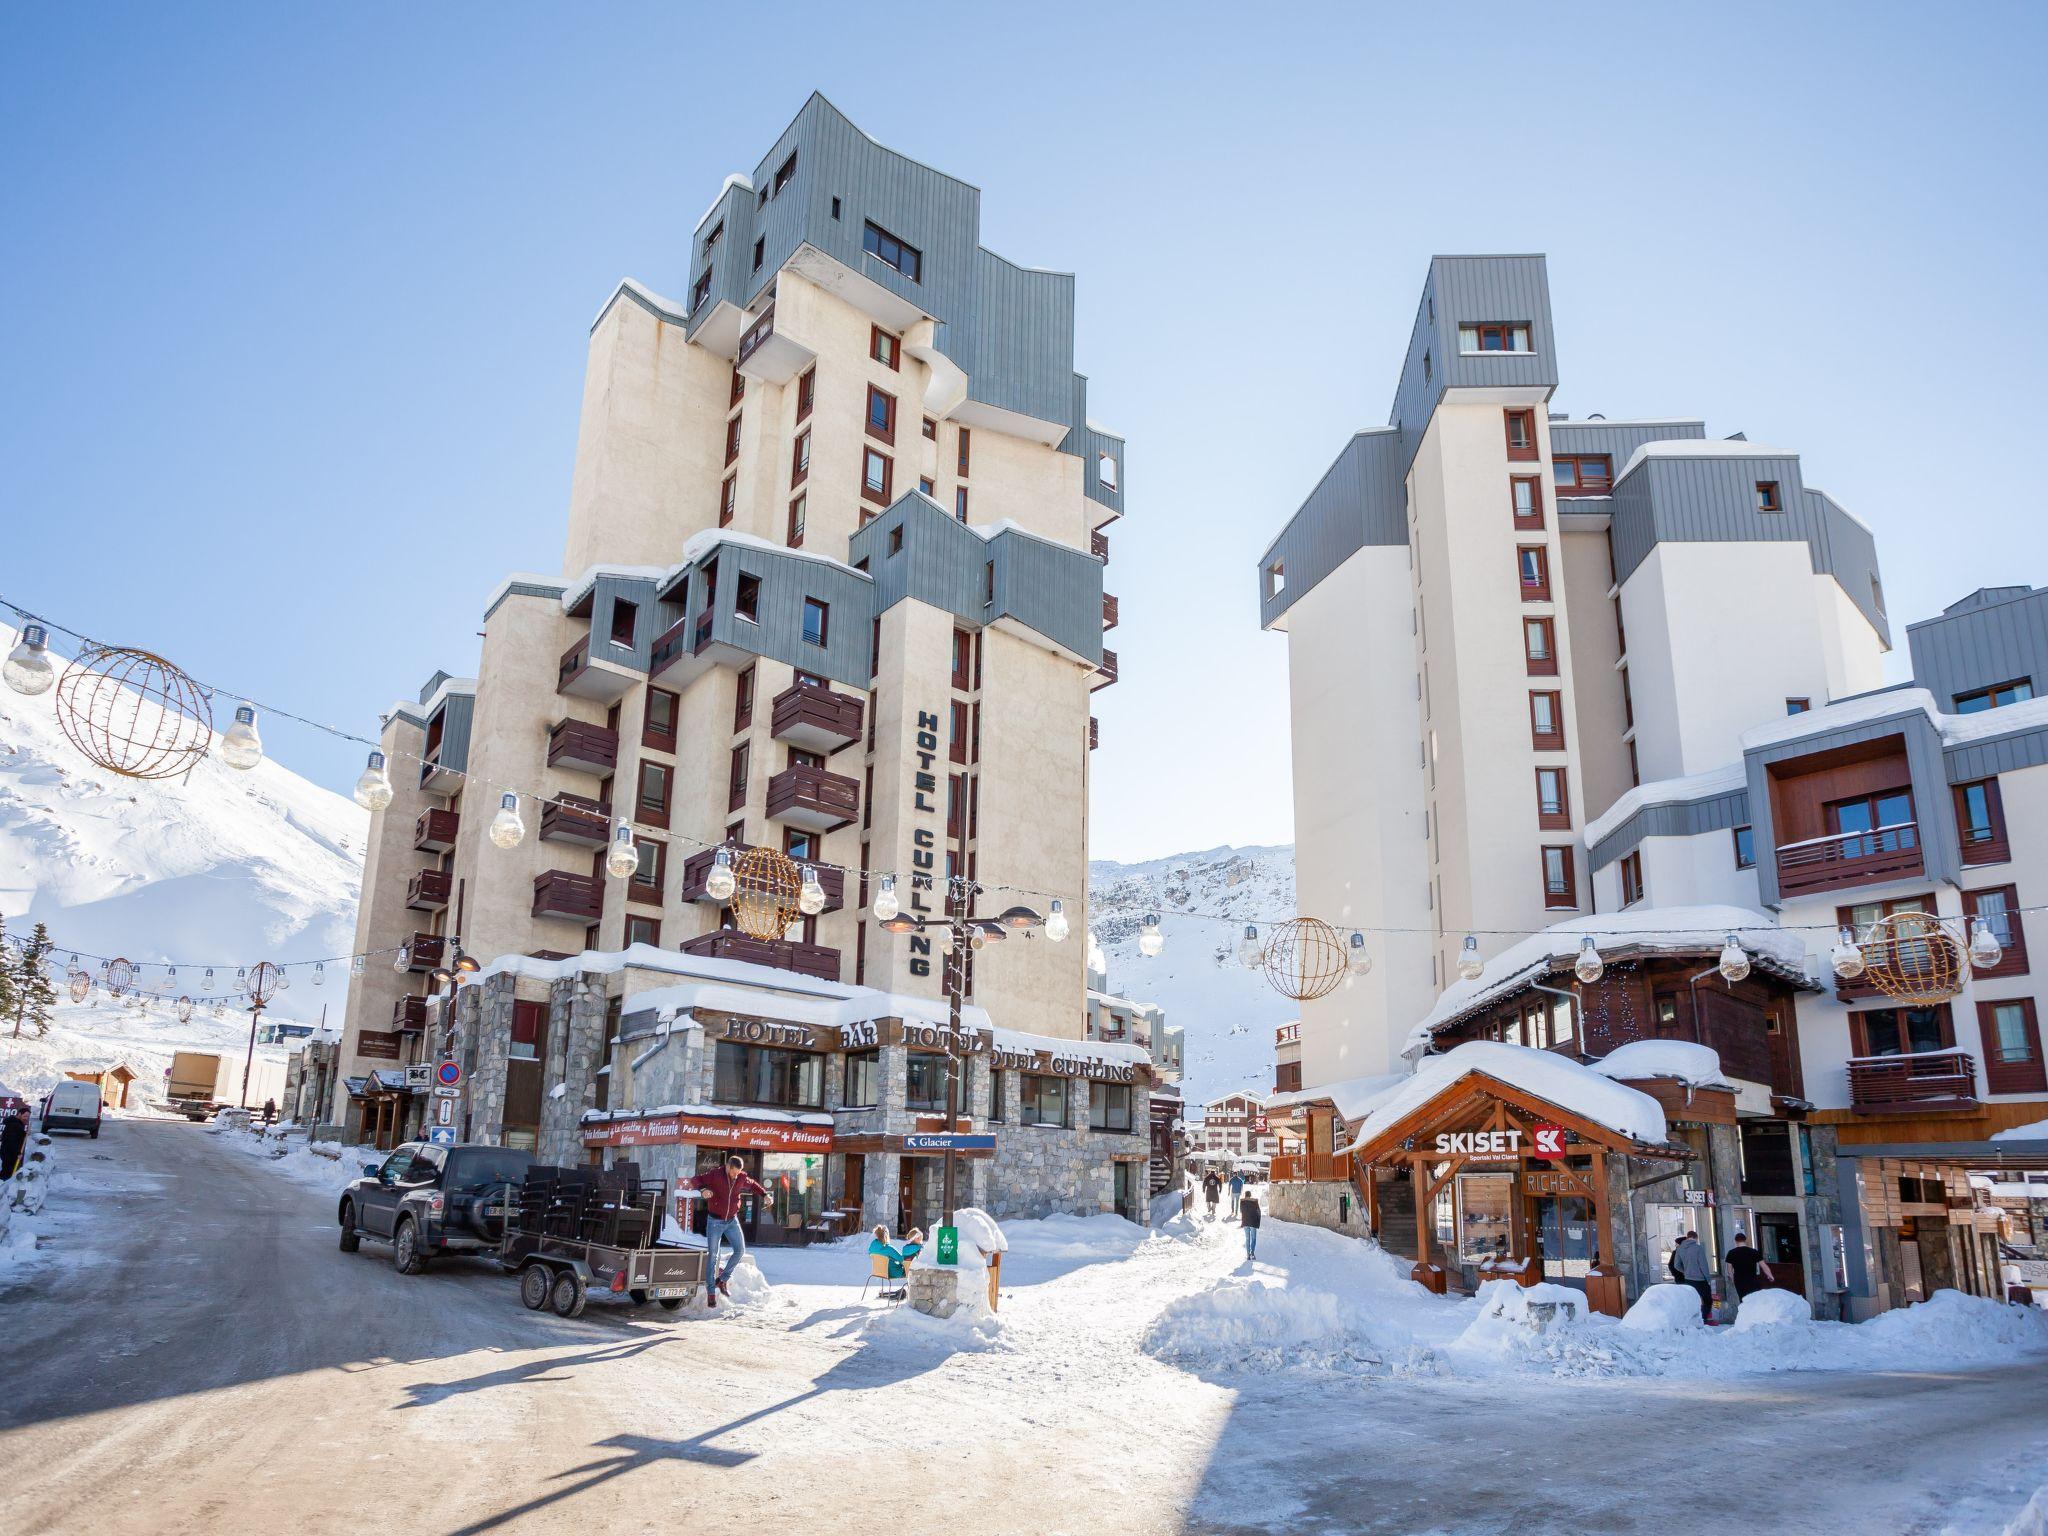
(1229, 1013)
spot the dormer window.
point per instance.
(1493, 337)
(1276, 579)
(1767, 497)
(701, 292)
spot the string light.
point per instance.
(810, 898)
(718, 882)
(1359, 957)
(1845, 957)
(885, 904)
(1589, 966)
(240, 746)
(1734, 961)
(624, 858)
(28, 668)
(1150, 940)
(1469, 964)
(507, 830)
(1985, 950)
(1056, 927)
(1251, 954)
(373, 789)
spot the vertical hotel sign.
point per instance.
(924, 839)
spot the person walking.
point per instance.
(1236, 1189)
(1746, 1267)
(13, 1140)
(1212, 1191)
(1689, 1262)
(723, 1189)
(1248, 1217)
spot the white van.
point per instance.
(73, 1107)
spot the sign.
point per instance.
(709, 1131)
(1699, 1197)
(440, 1135)
(941, 1141)
(769, 1032)
(443, 1091)
(949, 1245)
(1258, 1125)
(1549, 1141)
(1552, 1181)
(377, 1045)
(1479, 1143)
(448, 1073)
(924, 843)
(419, 1075)
(444, 1111)
(859, 1035)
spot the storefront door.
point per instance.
(1566, 1237)
(920, 1184)
(711, 1158)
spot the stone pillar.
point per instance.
(483, 1022)
(577, 1014)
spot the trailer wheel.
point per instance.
(639, 1297)
(349, 1241)
(569, 1294)
(534, 1285)
(408, 1255)
(670, 1303)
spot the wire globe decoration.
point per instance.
(120, 976)
(264, 979)
(765, 888)
(1912, 958)
(80, 986)
(133, 713)
(1304, 959)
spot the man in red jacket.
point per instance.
(723, 1189)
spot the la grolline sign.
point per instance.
(755, 1135)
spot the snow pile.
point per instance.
(2035, 1131)
(22, 1198)
(1950, 1325)
(972, 1328)
(1510, 1313)
(747, 1285)
(1259, 1326)
(326, 1166)
(1771, 1309)
(1543, 1074)
(1665, 1308)
(1697, 1066)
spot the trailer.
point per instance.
(189, 1086)
(579, 1231)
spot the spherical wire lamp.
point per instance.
(766, 890)
(133, 713)
(1304, 959)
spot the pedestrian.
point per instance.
(1745, 1266)
(1236, 1188)
(723, 1189)
(1689, 1262)
(1212, 1191)
(13, 1139)
(1248, 1216)
(270, 1111)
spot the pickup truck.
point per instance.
(428, 1201)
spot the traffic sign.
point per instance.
(939, 1141)
(949, 1245)
(443, 1091)
(449, 1073)
(444, 1111)
(440, 1135)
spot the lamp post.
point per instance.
(262, 987)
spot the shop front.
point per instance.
(382, 1108)
(789, 1155)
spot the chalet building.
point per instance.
(1119, 1019)
(1233, 1126)
(1287, 1057)
(832, 586)
(1617, 682)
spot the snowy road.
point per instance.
(192, 1351)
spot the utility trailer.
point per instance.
(575, 1231)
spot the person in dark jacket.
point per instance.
(1212, 1191)
(13, 1138)
(1248, 1216)
(1746, 1267)
(723, 1189)
(1691, 1266)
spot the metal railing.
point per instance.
(1847, 858)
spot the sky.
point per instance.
(294, 300)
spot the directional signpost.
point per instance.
(942, 1141)
(440, 1135)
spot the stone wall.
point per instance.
(1324, 1203)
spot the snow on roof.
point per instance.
(1353, 1096)
(668, 307)
(2037, 1131)
(1829, 717)
(580, 588)
(1553, 1078)
(2027, 715)
(520, 579)
(736, 179)
(1697, 1066)
(1701, 448)
(439, 696)
(1814, 490)
(1676, 930)
(701, 543)
(1679, 791)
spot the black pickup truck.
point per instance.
(428, 1201)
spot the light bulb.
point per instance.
(28, 668)
(885, 905)
(1251, 954)
(355, 968)
(810, 896)
(373, 789)
(1359, 957)
(1985, 950)
(977, 939)
(320, 974)
(718, 883)
(404, 958)
(1846, 957)
(624, 858)
(945, 938)
(507, 830)
(1150, 939)
(207, 985)
(1734, 961)
(1589, 966)
(184, 1010)
(1056, 922)
(1469, 963)
(240, 746)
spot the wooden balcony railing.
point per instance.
(409, 1013)
(783, 954)
(697, 867)
(668, 645)
(816, 718)
(580, 745)
(574, 662)
(811, 797)
(1317, 1167)
(586, 826)
(558, 893)
(1098, 545)
(429, 890)
(1105, 674)
(1108, 612)
(1850, 858)
(1920, 1081)
(424, 951)
(434, 832)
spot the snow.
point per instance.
(1354, 1097)
(2036, 1130)
(144, 1038)
(1666, 1308)
(702, 542)
(1700, 448)
(736, 179)
(1545, 1074)
(1771, 1309)
(1679, 791)
(1697, 1066)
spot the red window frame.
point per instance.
(1994, 847)
(963, 656)
(638, 889)
(1536, 587)
(1556, 900)
(960, 502)
(1551, 740)
(2013, 962)
(732, 436)
(885, 348)
(1592, 474)
(1559, 820)
(956, 732)
(1533, 518)
(931, 429)
(743, 699)
(1768, 498)
(1631, 878)
(641, 929)
(652, 807)
(799, 460)
(885, 428)
(806, 393)
(736, 778)
(1526, 451)
(728, 499)
(870, 457)
(662, 739)
(798, 507)
(2001, 1076)
(1545, 665)
(963, 454)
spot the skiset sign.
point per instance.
(1544, 1141)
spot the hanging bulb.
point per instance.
(1150, 939)
(404, 958)
(240, 746)
(810, 896)
(284, 980)
(373, 789)
(1056, 928)
(1985, 950)
(718, 883)
(1734, 963)
(319, 973)
(241, 974)
(885, 905)
(28, 668)
(171, 976)
(1469, 963)
(184, 1010)
(355, 965)
(507, 830)
(1846, 957)
(1589, 966)
(945, 938)
(1359, 958)
(624, 858)
(1251, 954)
(207, 986)
(977, 938)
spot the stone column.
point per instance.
(576, 1044)
(483, 1020)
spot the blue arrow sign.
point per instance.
(940, 1141)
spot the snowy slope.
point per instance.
(85, 1037)
(1229, 1013)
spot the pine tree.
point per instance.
(34, 996)
(10, 981)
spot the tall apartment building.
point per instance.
(832, 584)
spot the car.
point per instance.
(428, 1201)
(73, 1106)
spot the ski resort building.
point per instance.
(1564, 683)
(833, 588)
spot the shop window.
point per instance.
(1526, 494)
(1980, 822)
(2012, 1046)
(765, 1074)
(1041, 1100)
(924, 1082)
(1521, 430)
(1546, 721)
(1109, 1107)
(863, 1079)
(1999, 906)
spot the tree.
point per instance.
(34, 997)
(8, 980)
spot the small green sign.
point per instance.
(949, 1245)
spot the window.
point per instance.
(1546, 721)
(1628, 700)
(1980, 822)
(1632, 879)
(817, 621)
(1767, 497)
(1534, 567)
(806, 393)
(1427, 370)
(717, 234)
(625, 617)
(1521, 427)
(1635, 772)
(702, 290)
(963, 658)
(1798, 706)
(736, 778)
(1582, 474)
(1886, 818)
(956, 734)
(1539, 646)
(896, 540)
(797, 508)
(743, 699)
(785, 174)
(732, 437)
(1493, 338)
(924, 1081)
(2012, 1046)
(1559, 888)
(988, 584)
(1745, 847)
(998, 1095)
(658, 725)
(1109, 1106)
(746, 601)
(835, 208)
(760, 250)
(763, 1074)
(1999, 906)
(874, 476)
(961, 457)
(651, 800)
(1553, 800)
(1527, 496)
(883, 246)
(1276, 579)
(1041, 1100)
(739, 388)
(881, 415)
(1902, 1031)
(652, 874)
(926, 484)
(863, 1076)
(1991, 698)
(960, 502)
(799, 459)
(728, 499)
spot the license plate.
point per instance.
(670, 1292)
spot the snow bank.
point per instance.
(1510, 1312)
(1771, 1309)
(748, 1286)
(1665, 1308)
(1698, 1066)
(1260, 1326)
(1545, 1074)
(1952, 1325)
(2036, 1131)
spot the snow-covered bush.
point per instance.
(1665, 1309)
(1764, 1309)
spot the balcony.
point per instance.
(766, 353)
(815, 718)
(783, 954)
(811, 798)
(409, 1013)
(593, 677)
(1098, 545)
(558, 893)
(429, 890)
(424, 951)
(1923, 1080)
(434, 832)
(1108, 612)
(697, 867)
(585, 826)
(1106, 673)
(436, 777)
(583, 747)
(1850, 858)
(670, 644)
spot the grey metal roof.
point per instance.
(1673, 818)
(1995, 635)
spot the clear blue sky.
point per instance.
(294, 299)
